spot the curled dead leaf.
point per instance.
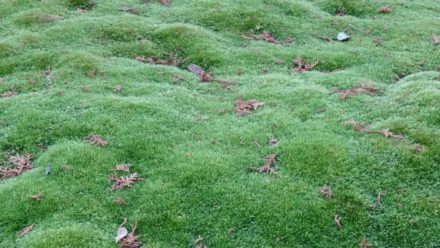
(302, 66)
(122, 182)
(25, 230)
(8, 94)
(246, 107)
(385, 9)
(364, 89)
(269, 162)
(326, 191)
(127, 239)
(97, 140)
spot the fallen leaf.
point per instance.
(435, 39)
(122, 167)
(166, 2)
(205, 77)
(26, 230)
(97, 140)
(130, 240)
(122, 182)
(8, 94)
(365, 89)
(266, 36)
(301, 66)
(326, 191)
(269, 162)
(246, 107)
(378, 42)
(384, 9)
(20, 165)
(364, 243)
(37, 197)
(338, 221)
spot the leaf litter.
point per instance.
(243, 108)
(385, 9)
(19, 163)
(124, 181)
(8, 94)
(361, 128)
(326, 191)
(127, 239)
(300, 65)
(269, 163)
(363, 89)
(122, 167)
(97, 140)
(171, 60)
(269, 38)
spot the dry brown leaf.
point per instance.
(338, 221)
(356, 126)
(37, 197)
(97, 140)
(378, 42)
(269, 162)
(20, 165)
(129, 240)
(364, 89)
(324, 38)
(301, 66)
(364, 243)
(205, 77)
(165, 2)
(326, 191)
(246, 107)
(122, 182)
(8, 94)
(435, 39)
(122, 167)
(26, 230)
(266, 36)
(385, 9)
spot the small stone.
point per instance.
(342, 36)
